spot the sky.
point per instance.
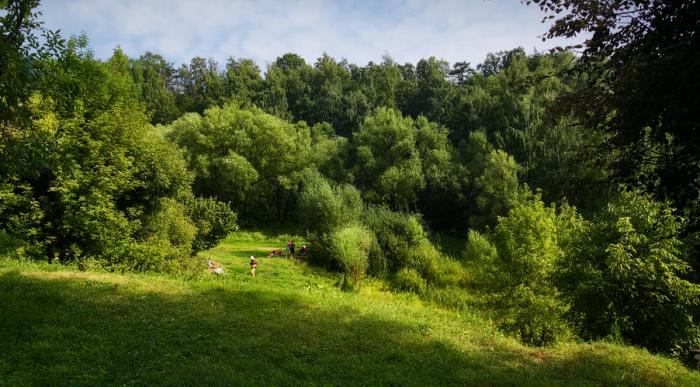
(359, 31)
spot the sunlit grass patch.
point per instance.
(288, 325)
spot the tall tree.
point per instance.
(155, 76)
(243, 80)
(199, 85)
(641, 57)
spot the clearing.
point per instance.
(289, 325)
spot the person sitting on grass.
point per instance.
(214, 268)
(275, 253)
(303, 250)
(253, 265)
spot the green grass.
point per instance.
(289, 325)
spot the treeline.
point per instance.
(573, 225)
(498, 105)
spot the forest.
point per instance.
(563, 186)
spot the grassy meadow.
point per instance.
(290, 325)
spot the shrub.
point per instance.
(480, 258)
(428, 261)
(479, 249)
(526, 242)
(324, 207)
(378, 264)
(446, 272)
(497, 188)
(409, 280)
(623, 273)
(153, 255)
(214, 221)
(350, 247)
(533, 312)
(169, 223)
(398, 235)
(20, 220)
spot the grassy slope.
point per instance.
(290, 325)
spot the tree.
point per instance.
(641, 60)
(622, 274)
(329, 83)
(199, 85)
(293, 76)
(388, 168)
(325, 206)
(461, 73)
(494, 184)
(82, 175)
(524, 252)
(443, 201)
(155, 77)
(21, 51)
(243, 80)
(435, 96)
(245, 156)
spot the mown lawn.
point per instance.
(289, 325)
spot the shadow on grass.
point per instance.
(77, 331)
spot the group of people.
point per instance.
(214, 267)
(291, 246)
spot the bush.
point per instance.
(350, 247)
(398, 235)
(479, 249)
(526, 242)
(409, 280)
(169, 223)
(446, 272)
(153, 255)
(324, 207)
(532, 312)
(427, 260)
(623, 274)
(214, 221)
(20, 221)
(480, 258)
(378, 264)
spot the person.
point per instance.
(275, 253)
(303, 250)
(253, 265)
(214, 267)
(291, 249)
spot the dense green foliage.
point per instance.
(526, 242)
(83, 175)
(616, 276)
(350, 246)
(640, 58)
(623, 276)
(370, 161)
(245, 157)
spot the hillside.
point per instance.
(289, 325)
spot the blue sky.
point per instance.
(360, 31)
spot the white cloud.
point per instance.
(262, 30)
